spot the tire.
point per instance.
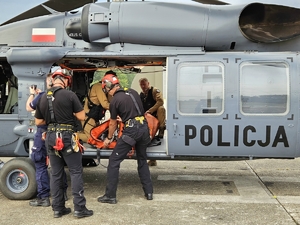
(17, 179)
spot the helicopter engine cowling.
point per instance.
(189, 25)
(269, 23)
(151, 24)
(94, 23)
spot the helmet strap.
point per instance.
(63, 82)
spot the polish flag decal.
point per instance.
(43, 35)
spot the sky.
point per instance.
(12, 8)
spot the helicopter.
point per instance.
(229, 75)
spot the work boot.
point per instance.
(106, 199)
(152, 163)
(161, 132)
(149, 196)
(45, 202)
(83, 213)
(60, 213)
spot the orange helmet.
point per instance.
(63, 73)
(109, 81)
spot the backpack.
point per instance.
(96, 112)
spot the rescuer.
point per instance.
(127, 105)
(57, 109)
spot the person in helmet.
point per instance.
(126, 105)
(62, 75)
(57, 109)
(95, 106)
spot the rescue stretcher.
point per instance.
(99, 133)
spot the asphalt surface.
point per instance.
(265, 191)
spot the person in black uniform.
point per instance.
(57, 109)
(127, 105)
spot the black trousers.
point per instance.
(137, 136)
(74, 163)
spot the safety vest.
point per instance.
(148, 100)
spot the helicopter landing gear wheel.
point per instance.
(17, 179)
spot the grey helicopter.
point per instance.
(230, 74)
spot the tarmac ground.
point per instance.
(264, 191)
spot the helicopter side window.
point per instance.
(264, 88)
(8, 96)
(3, 92)
(201, 88)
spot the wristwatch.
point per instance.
(32, 94)
(109, 138)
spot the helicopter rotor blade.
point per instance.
(42, 9)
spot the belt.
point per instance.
(135, 120)
(60, 127)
